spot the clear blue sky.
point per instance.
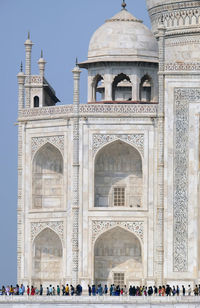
(62, 28)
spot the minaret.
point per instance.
(75, 197)
(41, 64)
(21, 81)
(28, 46)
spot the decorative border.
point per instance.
(137, 140)
(38, 142)
(37, 227)
(100, 226)
(84, 109)
(195, 66)
(183, 96)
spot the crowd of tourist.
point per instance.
(93, 290)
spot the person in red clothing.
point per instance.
(28, 290)
(32, 290)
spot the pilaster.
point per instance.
(75, 198)
(160, 169)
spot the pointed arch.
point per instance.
(36, 101)
(118, 176)
(47, 257)
(146, 88)
(122, 88)
(47, 177)
(98, 88)
(117, 251)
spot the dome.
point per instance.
(123, 38)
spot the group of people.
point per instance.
(93, 290)
(143, 291)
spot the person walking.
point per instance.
(196, 290)
(189, 290)
(89, 290)
(67, 290)
(41, 289)
(58, 290)
(183, 290)
(93, 290)
(72, 290)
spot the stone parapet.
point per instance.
(88, 110)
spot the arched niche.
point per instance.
(47, 257)
(117, 258)
(118, 176)
(36, 102)
(121, 88)
(98, 88)
(146, 89)
(47, 178)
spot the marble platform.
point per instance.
(96, 302)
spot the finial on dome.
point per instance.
(28, 35)
(41, 56)
(124, 5)
(76, 61)
(21, 67)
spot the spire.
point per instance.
(28, 35)
(124, 5)
(41, 64)
(21, 67)
(76, 61)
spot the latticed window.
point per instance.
(119, 279)
(119, 196)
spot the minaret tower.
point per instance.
(28, 47)
(76, 166)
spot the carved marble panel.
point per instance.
(38, 142)
(37, 227)
(100, 226)
(183, 96)
(137, 140)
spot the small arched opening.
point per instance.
(98, 88)
(121, 88)
(117, 258)
(146, 89)
(36, 101)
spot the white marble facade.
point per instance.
(108, 191)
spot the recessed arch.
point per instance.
(122, 88)
(47, 257)
(146, 88)
(118, 176)
(47, 178)
(117, 251)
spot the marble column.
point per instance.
(75, 197)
